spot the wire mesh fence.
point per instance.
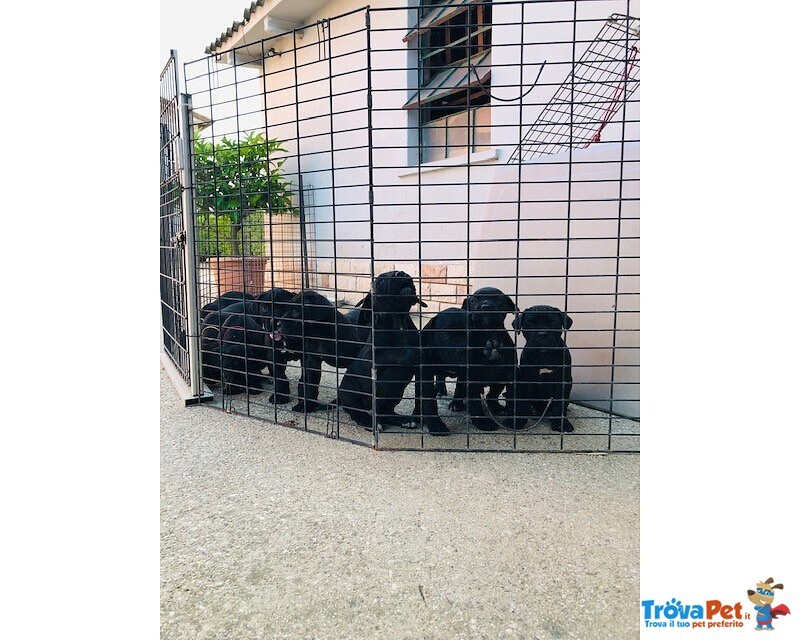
(464, 272)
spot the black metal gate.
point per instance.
(180, 356)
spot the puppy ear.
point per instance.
(365, 302)
(567, 321)
(778, 586)
(382, 284)
(750, 592)
(510, 306)
(517, 324)
(465, 303)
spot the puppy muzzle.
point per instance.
(486, 318)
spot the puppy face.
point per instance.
(309, 314)
(488, 308)
(542, 324)
(394, 291)
(271, 305)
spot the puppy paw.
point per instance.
(492, 351)
(232, 390)
(395, 420)
(496, 408)
(514, 423)
(279, 398)
(562, 426)
(457, 406)
(484, 424)
(436, 427)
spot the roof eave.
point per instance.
(262, 19)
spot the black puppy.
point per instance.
(268, 308)
(315, 332)
(397, 350)
(457, 403)
(544, 377)
(210, 343)
(244, 355)
(470, 344)
(225, 300)
(261, 312)
(211, 319)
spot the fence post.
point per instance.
(374, 372)
(190, 249)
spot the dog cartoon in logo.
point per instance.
(762, 597)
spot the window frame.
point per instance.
(435, 101)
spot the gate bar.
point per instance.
(200, 392)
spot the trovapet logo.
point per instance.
(762, 597)
(717, 614)
(710, 614)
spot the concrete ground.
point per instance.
(269, 532)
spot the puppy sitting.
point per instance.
(268, 308)
(397, 350)
(470, 344)
(544, 377)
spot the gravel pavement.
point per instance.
(269, 532)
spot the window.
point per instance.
(454, 41)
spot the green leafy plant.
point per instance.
(236, 183)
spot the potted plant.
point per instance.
(237, 183)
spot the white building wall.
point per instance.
(567, 236)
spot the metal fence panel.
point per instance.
(502, 175)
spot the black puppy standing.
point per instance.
(270, 307)
(470, 344)
(544, 377)
(315, 332)
(397, 351)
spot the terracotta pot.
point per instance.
(284, 266)
(238, 273)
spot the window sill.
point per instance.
(477, 157)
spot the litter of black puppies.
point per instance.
(314, 331)
(544, 377)
(396, 358)
(472, 345)
(242, 335)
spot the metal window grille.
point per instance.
(606, 75)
